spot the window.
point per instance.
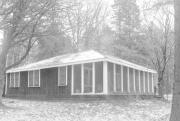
(14, 79)
(34, 78)
(62, 76)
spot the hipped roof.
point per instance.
(78, 58)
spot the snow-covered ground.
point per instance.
(68, 110)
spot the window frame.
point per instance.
(66, 68)
(14, 80)
(33, 84)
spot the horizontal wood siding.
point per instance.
(48, 85)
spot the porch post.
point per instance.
(105, 77)
(114, 74)
(134, 79)
(93, 78)
(144, 81)
(122, 78)
(139, 81)
(148, 81)
(82, 78)
(128, 79)
(72, 80)
(152, 83)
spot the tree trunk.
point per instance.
(160, 87)
(175, 111)
(3, 56)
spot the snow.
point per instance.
(69, 110)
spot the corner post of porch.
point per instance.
(105, 77)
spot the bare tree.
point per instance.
(21, 21)
(83, 22)
(160, 37)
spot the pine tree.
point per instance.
(127, 22)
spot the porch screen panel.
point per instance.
(137, 80)
(88, 78)
(142, 82)
(118, 78)
(17, 79)
(146, 82)
(30, 76)
(110, 77)
(131, 80)
(77, 78)
(125, 81)
(36, 78)
(11, 80)
(150, 82)
(98, 77)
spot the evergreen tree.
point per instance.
(127, 22)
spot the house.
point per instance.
(83, 73)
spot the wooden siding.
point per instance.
(48, 85)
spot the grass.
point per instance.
(70, 110)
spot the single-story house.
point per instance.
(83, 73)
